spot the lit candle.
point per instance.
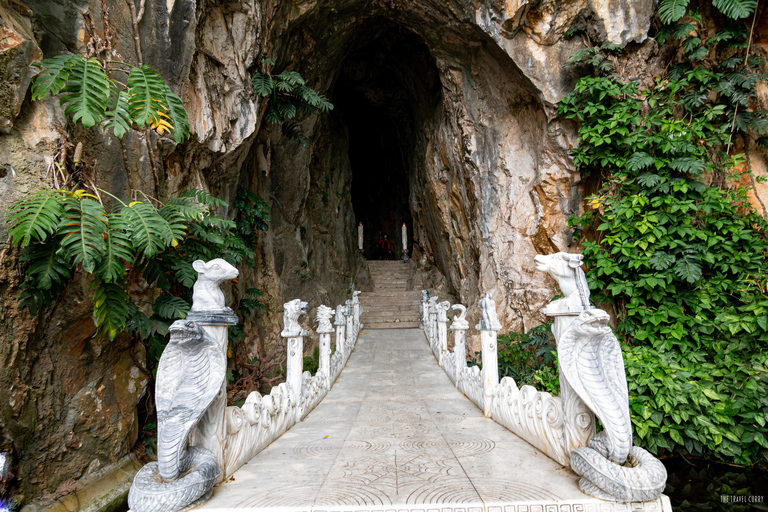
(360, 236)
(405, 241)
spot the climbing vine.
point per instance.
(672, 240)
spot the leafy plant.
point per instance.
(673, 243)
(287, 95)
(91, 97)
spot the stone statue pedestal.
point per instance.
(210, 432)
(579, 420)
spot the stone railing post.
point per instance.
(341, 325)
(211, 430)
(459, 328)
(294, 335)
(357, 311)
(488, 327)
(579, 421)
(442, 328)
(349, 313)
(424, 310)
(432, 321)
(324, 329)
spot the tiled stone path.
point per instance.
(394, 435)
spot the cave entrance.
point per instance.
(387, 92)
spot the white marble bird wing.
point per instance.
(592, 362)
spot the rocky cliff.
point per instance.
(444, 112)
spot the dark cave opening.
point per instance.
(387, 92)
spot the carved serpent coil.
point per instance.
(189, 376)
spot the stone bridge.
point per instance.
(408, 426)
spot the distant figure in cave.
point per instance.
(385, 248)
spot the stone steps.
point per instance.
(391, 305)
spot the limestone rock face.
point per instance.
(449, 103)
(18, 49)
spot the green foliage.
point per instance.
(679, 251)
(288, 95)
(312, 363)
(92, 97)
(61, 229)
(522, 355)
(528, 358)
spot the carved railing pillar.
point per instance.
(211, 430)
(579, 421)
(442, 329)
(324, 329)
(341, 326)
(459, 328)
(424, 310)
(357, 311)
(432, 320)
(489, 327)
(294, 335)
(349, 314)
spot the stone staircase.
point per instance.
(391, 305)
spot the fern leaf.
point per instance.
(185, 273)
(175, 229)
(672, 10)
(188, 207)
(83, 224)
(170, 307)
(138, 322)
(46, 268)
(117, 117)
(263, 85)
(687, 164)
(53, 75)
(118, 248)
(735, 9)
(147, 95)
(205, 197)
(688, 268)
(86, 93)
(149, 229)
(639, 160)
(291, 77)
(661, 260)
(33, 298)
(34, 217)
(178, 116)
(110, 308)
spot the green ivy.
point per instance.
(673, 243)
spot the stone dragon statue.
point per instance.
(189, 375)
(292, 311)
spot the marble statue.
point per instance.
(566, 269)
(190, 374)
(339, 318)
(291, 313)
(460, 322)
(324, 314)
(206, 294)
(591, 359)
(489, 321)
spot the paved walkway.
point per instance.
(395, 435)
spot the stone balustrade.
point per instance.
(191, 395)
(592, 383)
